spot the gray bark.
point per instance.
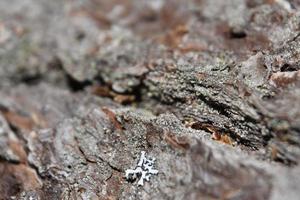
(210, 88)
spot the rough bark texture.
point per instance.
(210, 88)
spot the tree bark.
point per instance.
(209, 88)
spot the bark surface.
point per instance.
(210, 88)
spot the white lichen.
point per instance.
(144, 170)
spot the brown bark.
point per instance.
(210, 88)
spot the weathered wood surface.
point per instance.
(210, 88)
